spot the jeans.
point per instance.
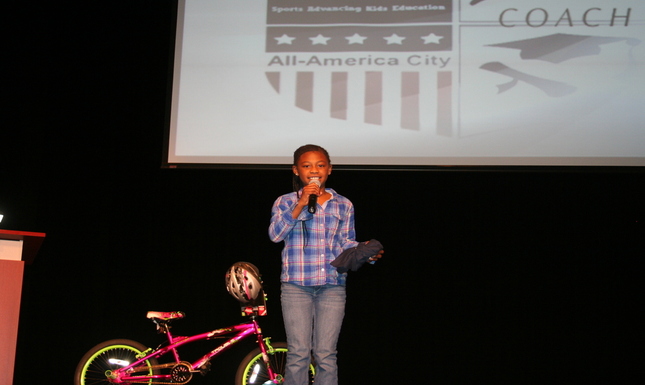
(313, 316)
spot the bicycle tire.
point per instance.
(94, 364)
(253, 371)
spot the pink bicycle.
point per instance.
(123, 361)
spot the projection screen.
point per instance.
(409, 83)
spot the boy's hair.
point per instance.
(297, 183)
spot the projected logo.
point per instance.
(345, 59)
(548, 62)
(555, 49)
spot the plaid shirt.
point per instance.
(312, 241)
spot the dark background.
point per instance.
(490, 276)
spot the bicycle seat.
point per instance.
(165, 315)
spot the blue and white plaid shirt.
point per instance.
(312, 241)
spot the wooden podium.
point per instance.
(16, 249)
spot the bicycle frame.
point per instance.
(128, 372)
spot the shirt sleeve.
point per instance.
(282, 221)
(347, 231)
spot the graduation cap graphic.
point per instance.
(559, 47)
(555, 48)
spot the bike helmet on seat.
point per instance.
(243, 281)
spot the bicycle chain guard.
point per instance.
(181, 373)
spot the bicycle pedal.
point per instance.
(204, 369)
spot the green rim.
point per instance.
(101, 351)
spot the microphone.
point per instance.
(311, 206)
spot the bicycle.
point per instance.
(124, 361)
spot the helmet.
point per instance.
(243, 281)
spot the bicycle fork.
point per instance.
(266, 349)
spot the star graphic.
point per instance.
(394, 39)
(431, 38)
(284, 39)
(355, 39)
(320, 39)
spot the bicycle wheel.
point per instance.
(107, 356)
(253, 371)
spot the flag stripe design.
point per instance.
(412, 109)
(444, 103)
(373, 97)
(410, 100)
(338, 103)
(305, 91)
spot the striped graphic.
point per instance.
(410, 109)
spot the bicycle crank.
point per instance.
(179, 373)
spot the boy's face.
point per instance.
(312, 165)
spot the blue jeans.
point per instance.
(313, 316)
